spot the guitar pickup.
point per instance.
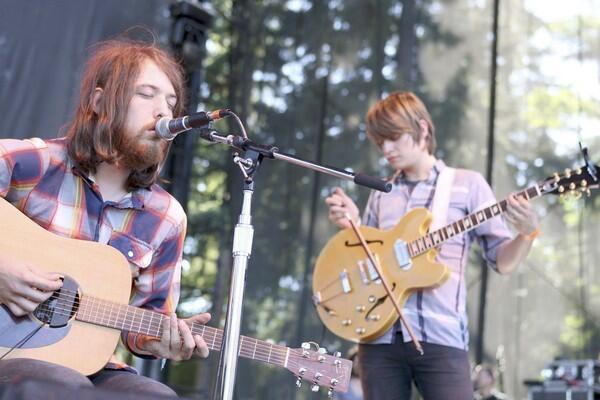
(402, 255)
(369, 274)
(363, 272)
(345, 279)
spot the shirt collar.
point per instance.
(438, 166)
(134, 199)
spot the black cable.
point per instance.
(23, 341)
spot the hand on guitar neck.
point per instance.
(23, 287)
(177, 342)
(340, 207)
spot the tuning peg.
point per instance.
(561, 189)
(337, 354)
(578, 171)
(556, 177)
(299, 382)
(567, 172)
(305, 349)
(314, 387)
(330, 393)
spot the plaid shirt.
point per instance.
(439, 315)
(148, 225)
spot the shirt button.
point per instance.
(130, 253)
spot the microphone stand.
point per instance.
(254, 154)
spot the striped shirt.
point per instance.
(147, 225)
(439, 315)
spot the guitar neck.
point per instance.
(133, 319)
(471, 221)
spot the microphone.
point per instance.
(167, 128)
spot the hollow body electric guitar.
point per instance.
(79, 326)
(347, 291)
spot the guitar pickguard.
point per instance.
(53, 315)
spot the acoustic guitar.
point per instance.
(80, 324)
(347, 291)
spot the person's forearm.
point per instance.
(512, 253)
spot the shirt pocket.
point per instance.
(138, 253)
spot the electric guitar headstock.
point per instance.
(574, 183)
(311, 363)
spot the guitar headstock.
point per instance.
(574, 183)
(311, 363)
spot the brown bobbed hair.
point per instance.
(93, 136)
(397, 114)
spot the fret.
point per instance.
(480, 217)
(287, 356)
(270, 350)
(443, 234)
(488, 213)
(466, 223)
(415, 247)
(150, 324)
(459, 226)
(473, 219)
(427, 240)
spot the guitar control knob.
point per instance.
(347, 322)
(318, 376)
(314, 388)
(360, 308)
(337, 354)
(375, 317)
(360, 331)
(372, 299)
(302, 371)
(334, 382)
(322, 350)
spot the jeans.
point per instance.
(387, 371)
(17, 370)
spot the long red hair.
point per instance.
(93, 136)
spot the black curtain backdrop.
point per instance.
(43, 48)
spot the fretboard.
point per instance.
(132, 319)
(471, 221)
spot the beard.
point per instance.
(141, 151)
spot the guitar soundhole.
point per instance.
(61, 306)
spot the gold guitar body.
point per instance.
(350, 300)
(98, 269)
